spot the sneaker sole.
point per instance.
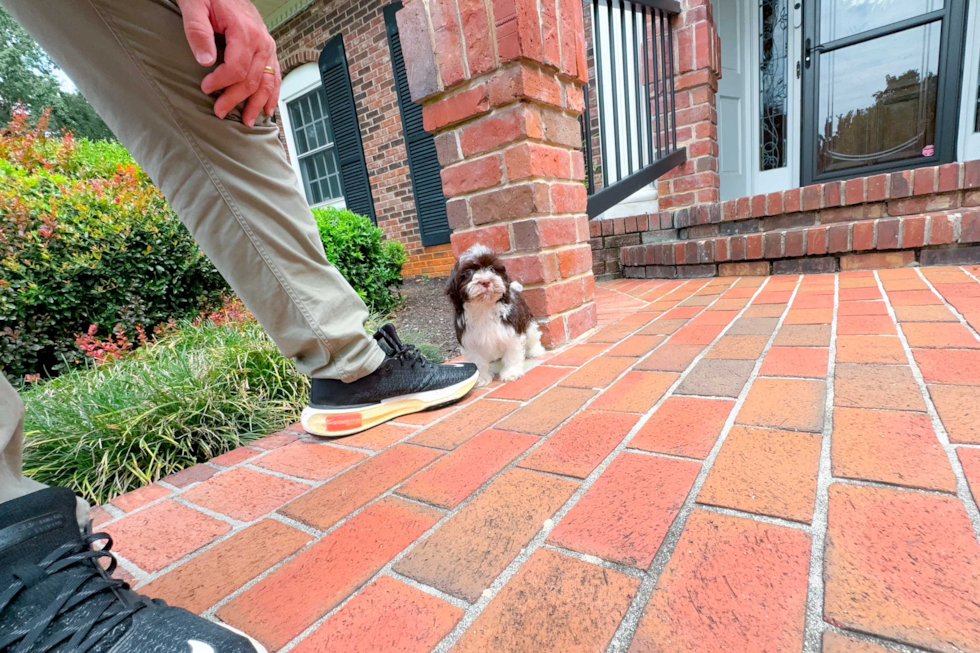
(338, 422)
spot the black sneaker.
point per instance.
(405, 383)
(55, 598)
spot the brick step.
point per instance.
(943, 238)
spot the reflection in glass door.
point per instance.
(881, 85)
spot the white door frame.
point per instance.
(734, 169)
(787, 177)
(968, 146)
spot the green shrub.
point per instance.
(105, 429)
(370, 263)
(99, 158)
(85, 239)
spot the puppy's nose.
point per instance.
(485, 283)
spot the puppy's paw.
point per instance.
(484, 379)
(511, 374)
(535, 351)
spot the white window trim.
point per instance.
(969, 140)
(296, 84)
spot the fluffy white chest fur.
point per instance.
(486, 331)
(488, 337)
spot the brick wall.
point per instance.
(698, 67)
(362, 24)
(608, 237)
(929, 216)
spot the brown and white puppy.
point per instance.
(493, 322)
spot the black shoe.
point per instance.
(405, 383)
(55, 598)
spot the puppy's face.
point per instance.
(484, 285)
(479, 276)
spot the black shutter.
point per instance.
(430, 203)
(346, 132)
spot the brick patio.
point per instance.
(757, 464)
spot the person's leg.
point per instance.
(13, 485)
(236, 192)
(230, 184)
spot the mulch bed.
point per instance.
(426, 309)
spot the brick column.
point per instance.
(501, 84)
(698, 68)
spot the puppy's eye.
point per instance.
(467, 273)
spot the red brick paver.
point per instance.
(890, 446)
(387, 615)
(245, 494)
(684, 426)
(766, 472)
(329, 503)
(309, 460)
(625, 515)
(163, 533)
(732, 585)
(471, 549)
(454, 477)
(139, 498)
(657, 489)
(222, 569)
(579, 446)
(555, 604)
(795, 404)
(904, 566)
(293, 597)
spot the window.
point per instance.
(315, 151)
(310, 137)
(773, 46)
(323, 137)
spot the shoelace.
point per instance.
(89, 585)
(410, 355)
(404, 354)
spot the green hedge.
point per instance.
(370, 263)
(86, 239)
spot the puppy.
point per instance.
(493, 322)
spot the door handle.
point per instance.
(809, 50)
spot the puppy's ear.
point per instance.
(454, 288)
(501, 270)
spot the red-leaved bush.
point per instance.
(87, 240)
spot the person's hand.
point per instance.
(249, 52)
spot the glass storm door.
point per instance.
(881, 85)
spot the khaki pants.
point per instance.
(231, 185)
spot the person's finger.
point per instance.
(237, 93)
(273, 102)
(258, 100)
(199, 32)
(238, 56)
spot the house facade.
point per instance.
(824, 135)
(671, 138)
(357, 141)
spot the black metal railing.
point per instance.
(633, 81)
